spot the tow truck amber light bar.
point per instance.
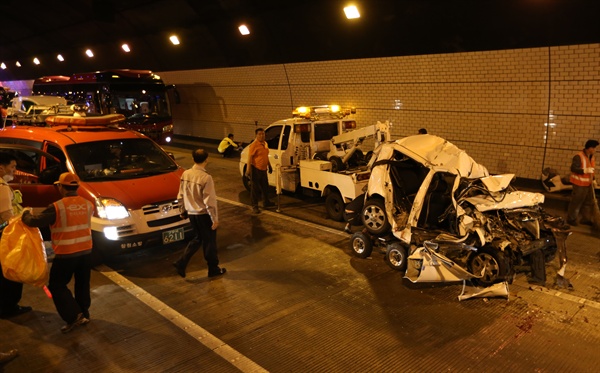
(102, 120)
(313, 112)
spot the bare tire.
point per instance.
(374, 217)
(334, 204)
(336, 164)
(361, 245)
(396, 256)
(491, 263)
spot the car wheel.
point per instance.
(374, 217)
(334, 204)
(396, 256)
(361, 245)
(246, 181)
(489, 262)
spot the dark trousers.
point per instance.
(205, 237)
(581, 199)
(63, 269)
(259, 186)
(10, 293)
(229, 151)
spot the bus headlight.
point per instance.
(111, 209)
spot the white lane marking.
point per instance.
(197, 332)
(555, 293)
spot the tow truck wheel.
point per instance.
(361, 245)
(396, 257)
(374, 217)
(334, 204)
(491, 263)
(246, 181)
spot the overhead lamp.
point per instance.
(36, 61)
(174, 39)
(3, 66)
(89, 53)
(351, 12)
(125, 47)
(60, 58)
(244, 30)
(18, 64)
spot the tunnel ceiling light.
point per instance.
(3, 66)
(351, 12)
(125, 47)
(36, 60)
(18, 64)
(174, 39)
(89, 53)
(244, 30)
(60, 57)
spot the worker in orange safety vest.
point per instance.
(582, 178)
(70, 225)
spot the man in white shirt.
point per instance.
(200, 204)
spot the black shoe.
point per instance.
(180, 269)
(18, 310)
(218, 273)
(347, 229)
(5, 357)
(255, 210)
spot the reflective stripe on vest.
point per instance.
(583, 179)
(71, 231)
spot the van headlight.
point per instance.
(111, 209)
(168, 128)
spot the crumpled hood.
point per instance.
(135, 193)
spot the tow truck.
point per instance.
(319, 150)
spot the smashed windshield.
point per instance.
(119, 159)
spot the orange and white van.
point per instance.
(132, 182)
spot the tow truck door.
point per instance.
(273, 137)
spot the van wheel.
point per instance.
(374, 217)
(361, 245)
(491, 262)
(334, 204)
(396, 257)
(336, 164)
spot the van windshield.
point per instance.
(119, 159)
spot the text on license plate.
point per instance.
(173, 235)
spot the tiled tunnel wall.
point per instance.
(495, 104)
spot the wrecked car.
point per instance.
(425, 189)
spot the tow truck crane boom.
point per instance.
(379, 131)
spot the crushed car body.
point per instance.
(425, 189)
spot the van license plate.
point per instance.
(173, 235)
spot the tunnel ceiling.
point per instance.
(282, 31)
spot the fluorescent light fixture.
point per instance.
(89, 53)
(125, 47)
(36, 61)
(351, 12)
(3, 66)
(18, 64)
(244, 30)
(60, 58)
(174, 39)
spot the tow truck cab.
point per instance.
(131, 181)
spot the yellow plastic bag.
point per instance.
(22, 254)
